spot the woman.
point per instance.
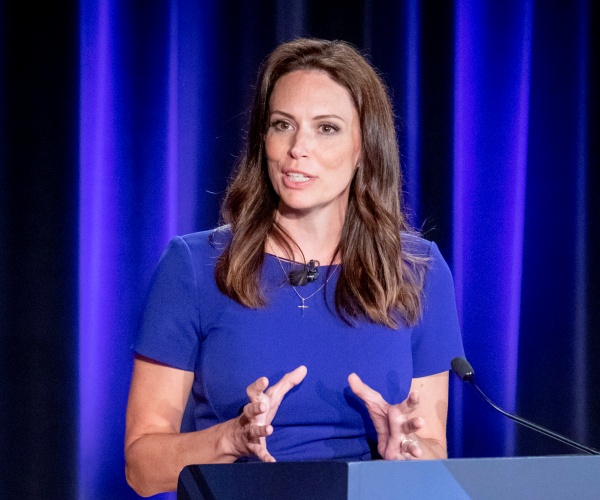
(274, 349)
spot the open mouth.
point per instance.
(295, 177)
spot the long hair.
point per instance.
(378, 280)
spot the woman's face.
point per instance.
(313, 143)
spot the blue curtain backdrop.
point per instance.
(119, 129)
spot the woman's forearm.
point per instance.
(154, 461)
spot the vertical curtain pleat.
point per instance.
(582, 254)
(39, 84)
(554, 285)
(490, 165)
(411, 100)
(126, 194)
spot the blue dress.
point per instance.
(189, 324)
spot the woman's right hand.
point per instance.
(252, 427)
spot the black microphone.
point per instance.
(307, 274)
(464, 371)
(312, 270)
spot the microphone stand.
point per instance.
(533, 426)
(465, 372)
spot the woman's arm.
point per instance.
(415, 428)
(155, 450)
(433, 410)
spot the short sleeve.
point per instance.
(168, 330)
(436, 338)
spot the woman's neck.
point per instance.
(317, 236)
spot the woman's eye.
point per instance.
(280, 125)
(329, 128)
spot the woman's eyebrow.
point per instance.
(276, 111)
(321, 117)
(318, 117)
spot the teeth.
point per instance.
(297, 177)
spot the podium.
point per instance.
(557, 477)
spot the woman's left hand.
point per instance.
(396, 425)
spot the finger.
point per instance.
(410, 404)
(260, 431)
(411, 448)
(364, 392)
(252, 410)
(413, 400)
(256, 388)
(377, 408)
(256, 394)
(412, 425)
(400, 423)
(266, 456)
(262, 453)
(397, 435)
(290, 380)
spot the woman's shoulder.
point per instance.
(197, 249)
(415, 245)
(421, 253)
(209, 241)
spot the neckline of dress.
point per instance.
(295, 262)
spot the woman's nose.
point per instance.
(300, 144)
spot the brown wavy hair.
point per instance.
(379, 280)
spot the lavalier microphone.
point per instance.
(307, 274)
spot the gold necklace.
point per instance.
(303, 306)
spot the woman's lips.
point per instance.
(297, 177)
(296, 180)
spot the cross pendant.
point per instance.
(302, 307)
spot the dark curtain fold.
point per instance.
(39, 85)
(119, 126)
(559, 322)
(592, 211)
